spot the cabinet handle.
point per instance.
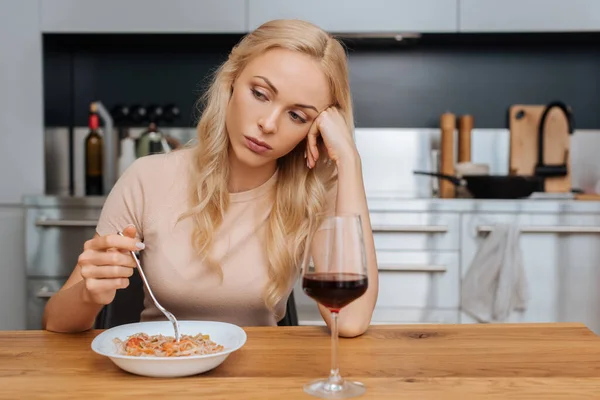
(413, 268)
(412, 228)
(44, 222)
(44, 293)
(482, 229)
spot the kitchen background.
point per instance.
(410, 62)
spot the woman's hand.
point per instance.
(350, 199)
(331, 126)
(106, 265)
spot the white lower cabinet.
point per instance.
(414, 287)
(561, 256)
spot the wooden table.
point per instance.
(542, 361)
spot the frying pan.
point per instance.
(494, 186)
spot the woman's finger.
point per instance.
(99, 258)
(312, 148)
(308, 155)
(105, 272)
(130, 231)
(105, 285)
(113, 241)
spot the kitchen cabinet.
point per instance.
(56, 229)
(419, 280)
(415, 231)
(337, 16)
(561, 254)
(39, 292)
(21, 102)
(529, 16)
(361, 16)
(424, 255)
(414, 287)
(310, 316)
(55, 236)
(143, 16)
(419, 270)
(21, 146)
(12, 268)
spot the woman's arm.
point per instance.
(355, 318)
(69, 310)
(103, 267)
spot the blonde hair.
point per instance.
(300, 193)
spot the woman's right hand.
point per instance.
(106, 265)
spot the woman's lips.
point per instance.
(256, 145)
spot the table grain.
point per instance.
(467, 361)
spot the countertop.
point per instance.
(496, 361)
(390, 202)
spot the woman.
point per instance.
(275, 148)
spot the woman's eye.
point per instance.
(296, 117)
(258, 95)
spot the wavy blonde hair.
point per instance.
(300, 193)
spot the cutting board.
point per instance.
(523, 123)
(587, 196)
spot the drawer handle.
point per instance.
(412, 229)
(482, 229)
(44, 222)
(44, 293)
(413, 268)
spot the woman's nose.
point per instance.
(268, 123)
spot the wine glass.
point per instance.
(334, 274)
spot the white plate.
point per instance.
(231, 337)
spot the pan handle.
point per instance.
(453, 179)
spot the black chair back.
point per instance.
(129, 304)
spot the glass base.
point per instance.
(324, 389)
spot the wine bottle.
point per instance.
(93, 156)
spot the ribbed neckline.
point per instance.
(256, 192)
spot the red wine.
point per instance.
(334, 290)
(93, 156)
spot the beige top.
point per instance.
(151, 195)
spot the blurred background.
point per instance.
(460, 87)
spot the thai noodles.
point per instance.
(144, 345)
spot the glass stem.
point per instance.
(334, 373)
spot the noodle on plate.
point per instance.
(143, 345)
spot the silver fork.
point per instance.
(168, 314)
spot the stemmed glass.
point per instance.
(334, 274)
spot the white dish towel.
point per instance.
(496, 283)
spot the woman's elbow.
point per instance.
(50, 327)
(352, 330)
(49, 324)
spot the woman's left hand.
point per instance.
(331, 126)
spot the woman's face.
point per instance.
(274, 102)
